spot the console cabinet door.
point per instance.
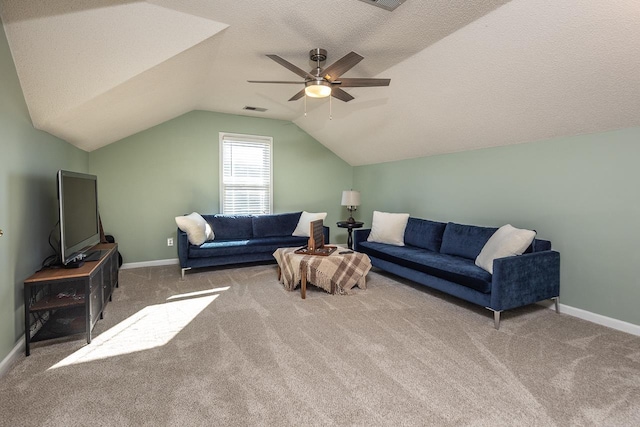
(115, 270)
(96, 303)
(107, 288)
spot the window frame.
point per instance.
(228, 137)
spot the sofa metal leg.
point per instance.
(183, 270)
(496, 317)
(557, 302)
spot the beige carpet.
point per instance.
(231, 347)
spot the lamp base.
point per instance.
(350, 220)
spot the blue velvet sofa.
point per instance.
(442, 256)
(241, 239)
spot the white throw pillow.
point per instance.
(198, 230)
(208, 231)
(506, 241)
(388, 228)
(302, 229)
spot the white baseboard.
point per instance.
(156, 263)
(12, 357)
(609, 322)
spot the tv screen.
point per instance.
(78, 213)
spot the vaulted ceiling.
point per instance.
(464, 75)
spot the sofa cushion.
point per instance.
(218, 248)
(283, 241)
(275, 224)
(538, 245)
(464, 240)
(388, 228)
(506, 241)
(228, 227)
(424, 234)
(454, 269)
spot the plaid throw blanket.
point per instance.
(343, 271)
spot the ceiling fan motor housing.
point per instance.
(318, 55)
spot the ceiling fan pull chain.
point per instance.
(305, 104)
(330, 115)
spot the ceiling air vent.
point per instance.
(258, 109)
(385, 4)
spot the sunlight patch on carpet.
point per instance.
(151, 327)
(197, 293)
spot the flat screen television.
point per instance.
(78, 213)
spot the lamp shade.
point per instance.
(350, 198)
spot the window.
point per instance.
(245, 174)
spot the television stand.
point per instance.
(94, 255)
(70, 301)
(74, 264)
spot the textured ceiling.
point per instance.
(464, 75)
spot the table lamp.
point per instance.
(351, 199)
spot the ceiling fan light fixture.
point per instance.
(318, 89)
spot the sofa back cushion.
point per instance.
(275, 225)
(231, 227)
(538, 245)
(464, 240)
(424, 234)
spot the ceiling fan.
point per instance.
(322, 82)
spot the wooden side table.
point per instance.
(349, 226)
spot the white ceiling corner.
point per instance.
(527, 71)
(464, 75)
(80, 57)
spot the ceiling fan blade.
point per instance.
(336, 92)
(288, 65)
(363, 82)
(275, 81)
(342, 65)
(297, 96)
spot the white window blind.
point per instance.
(245, 174)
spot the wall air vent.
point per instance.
(385, 4)
(258, 109)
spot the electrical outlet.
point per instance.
(170, 241)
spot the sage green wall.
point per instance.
(29, 160)
(579, 192)
(146, 180)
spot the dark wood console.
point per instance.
(69, 301)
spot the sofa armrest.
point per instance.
(525, 279)
(360, 235)
(183, 248)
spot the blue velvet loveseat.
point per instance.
(241, 239)
(442, 256)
